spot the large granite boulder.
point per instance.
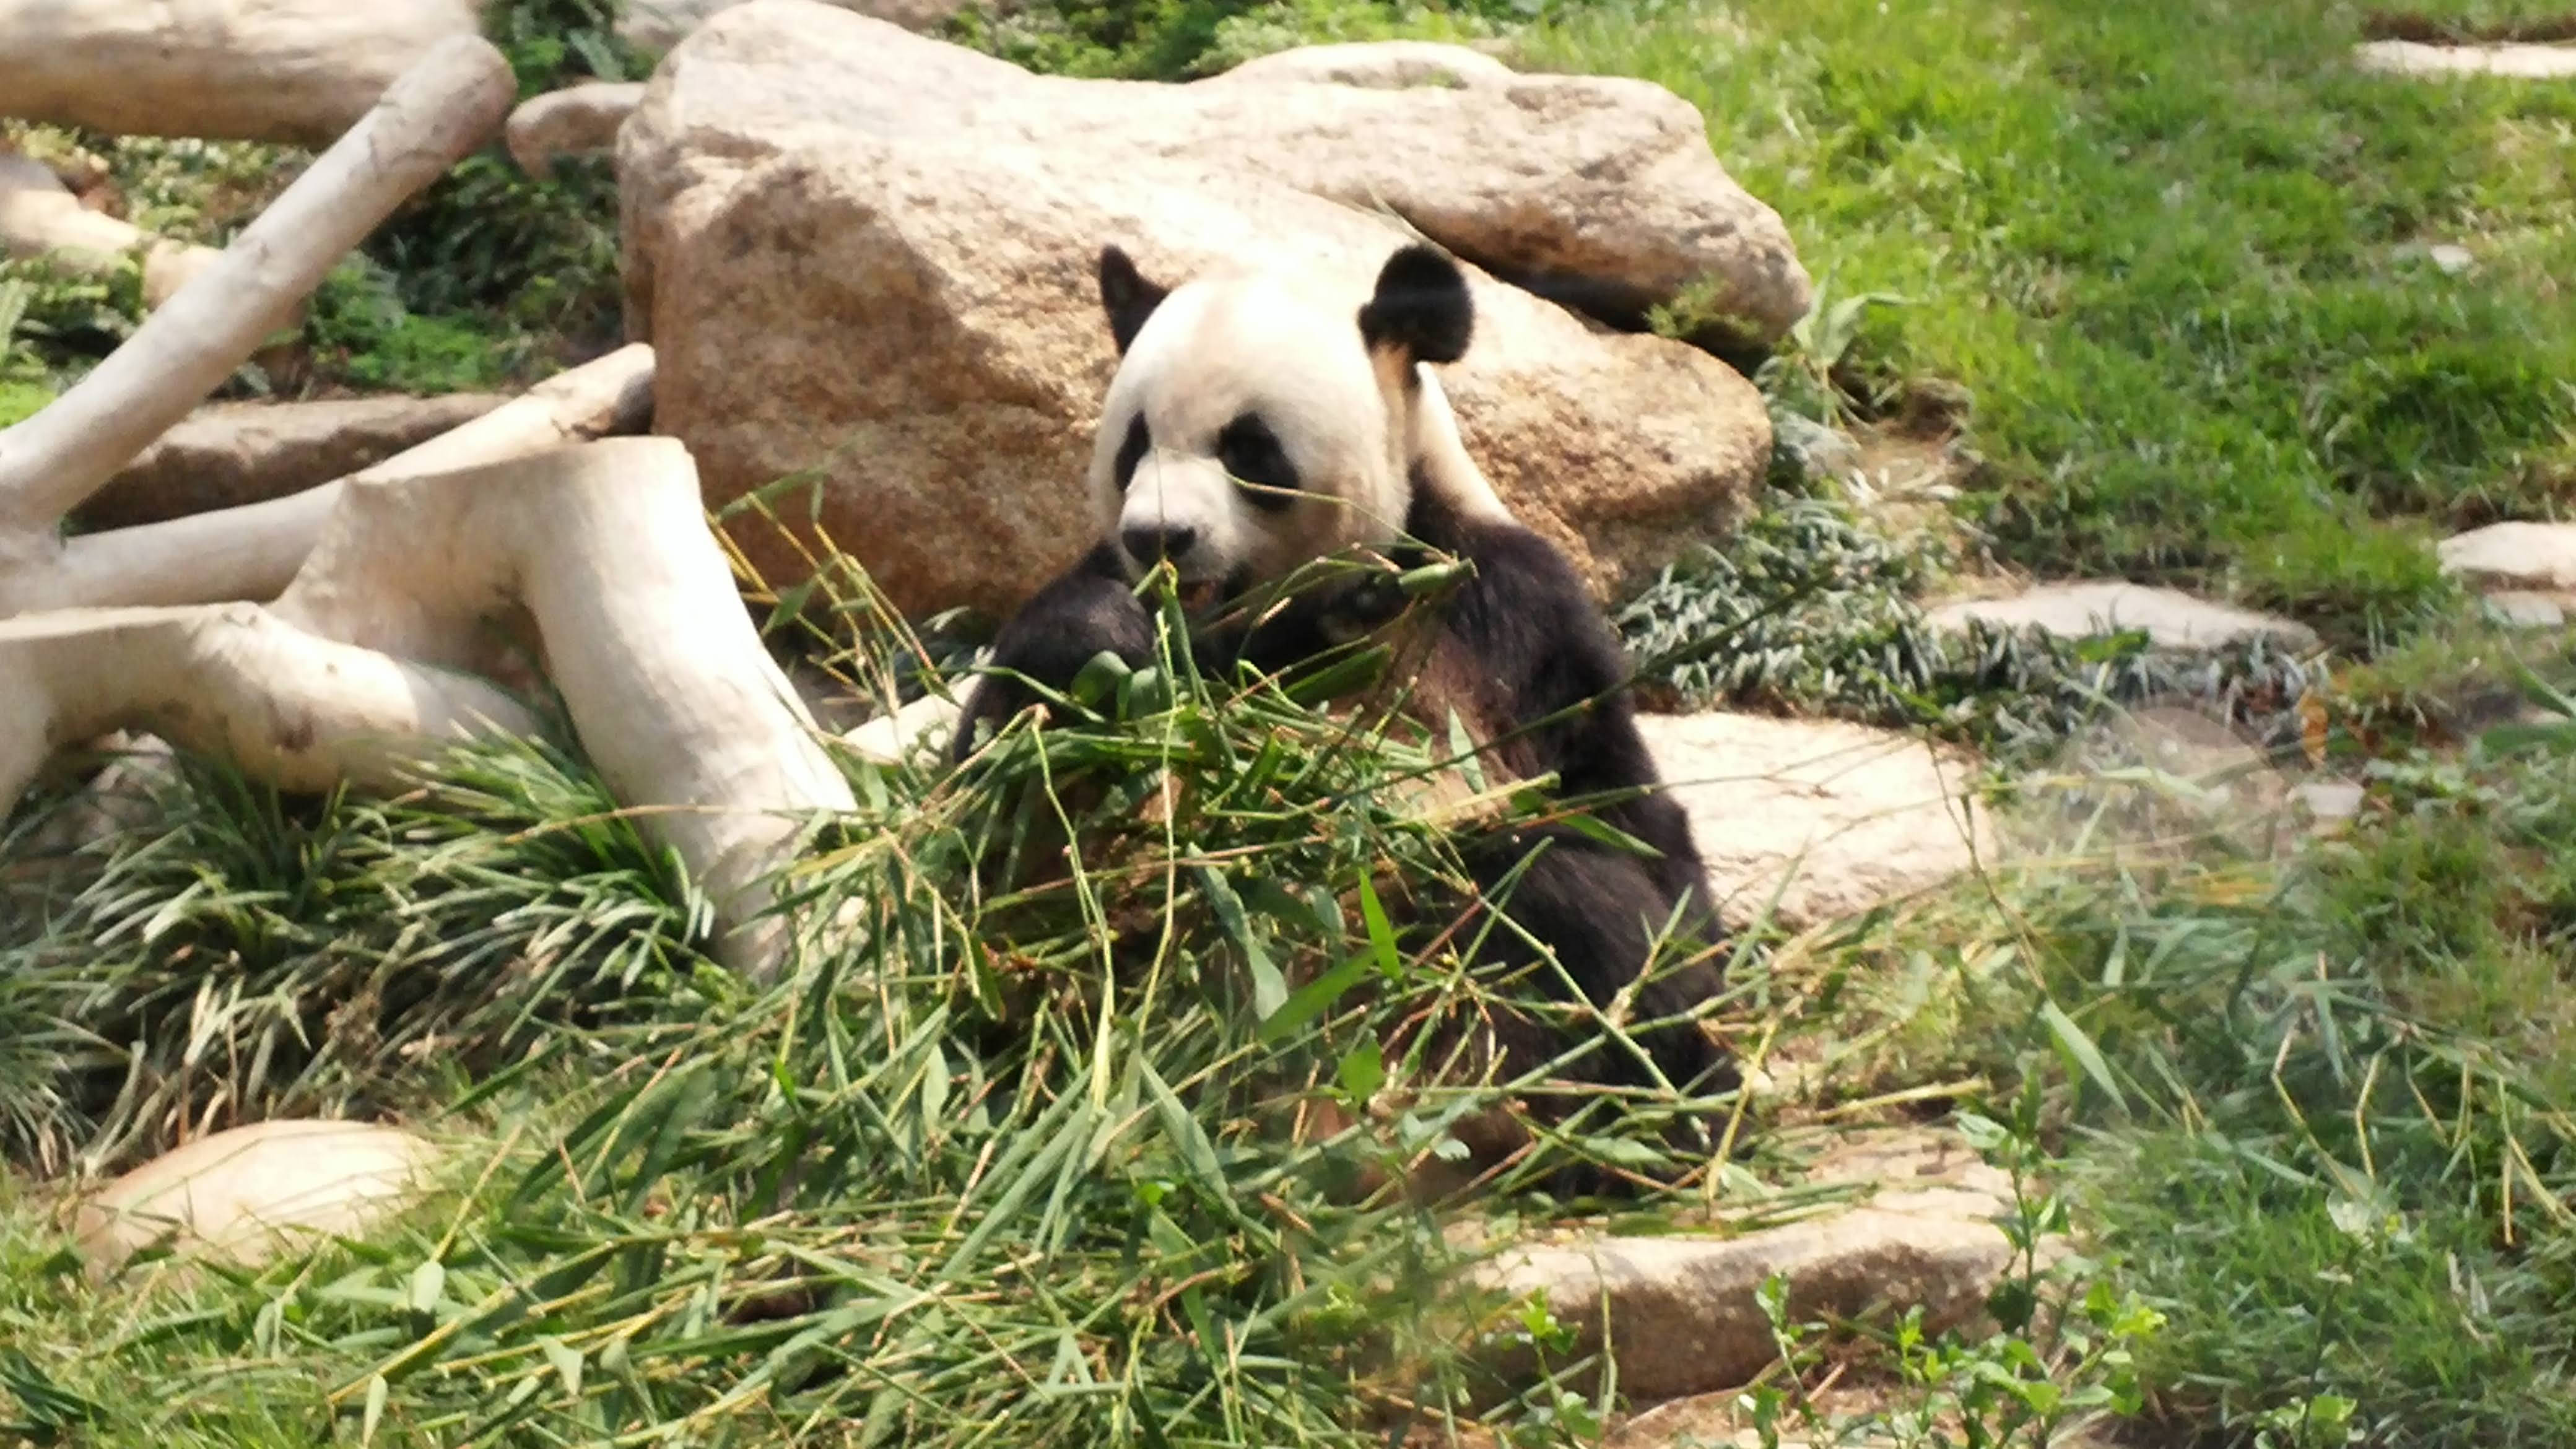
(865, 261)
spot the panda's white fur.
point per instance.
(1278, 346)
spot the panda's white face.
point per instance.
(1251, 429)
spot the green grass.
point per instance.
(2173, 252)
(2320, 1113)
(1178, 39)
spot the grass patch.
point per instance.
(2318, 1112)
(234, 954)
(1179, 39)
(2176, 255)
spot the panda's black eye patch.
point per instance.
(1250, 454)
(1131, 450)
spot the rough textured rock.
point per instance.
(570, 122)
(227, 454)
(869, 255)
(1850, 816)
(1380, 64)
(299, 71)
(661, 24)
(2171, 619)
(238, 1194)
(1681, 1313)
(2408, 57)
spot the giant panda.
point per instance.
(1261, 420)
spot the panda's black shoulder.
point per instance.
(1527, 614)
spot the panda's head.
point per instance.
(1259, 421)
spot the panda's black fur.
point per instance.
(1521, 653)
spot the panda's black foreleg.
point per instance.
(1087, 609)
(1559, 676)
(1600, 913)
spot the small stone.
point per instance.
(2331, 804)
(2414, 58)
(2526, 609)
(2451, 257)
(575, 121)
(242, 1194)
(2521, 556)
(1849, 816)
(2172, 619)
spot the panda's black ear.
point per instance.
(1421, 307)
(1126, 296)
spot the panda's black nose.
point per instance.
(1145, 545)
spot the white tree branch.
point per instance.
(600, 553)
(300, 71)
(440, 109)
(231, 679)
(252, 552)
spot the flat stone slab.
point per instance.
(2172, 619)
(1680, 1310)
(2523, 62)
(1848, 816)
(2537, 557)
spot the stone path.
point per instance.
(2083, 608)
(1680, 1312)
(1835, 817)
(2413, 58)
(2527, 571)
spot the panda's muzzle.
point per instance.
(1149, 545)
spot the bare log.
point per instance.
(39, 217)
(599, 553)
(234, 680)
(606, 546)
(298, 71)
(439, 110)
(252, 552)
